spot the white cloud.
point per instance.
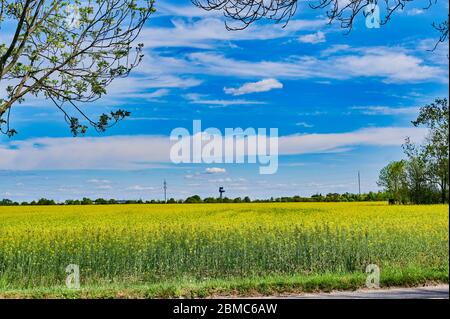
(155, 94)
(205, 33)
(232, 182)
(415, 12)
(137, 152)
(99, 181)
(337, 142)
(204, 100)
(104, 187)
(255, 87)
(385, 110)
(140, 188)
(227, 102)
(314, 113)
(144, 83)
(313, 38)
(139, 85)
(304, 124)
(336, 48)
(118, 152)
(439, 56)
(157, 74)
(390, 65)
(215, 170)
(341, 62)
(192, 176)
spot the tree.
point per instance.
(193, 199)
(6, 202)
(86, 201)
(210, 200)
(435, 151)
(425, 174)
(393, 178)
(101, 201)
(281, 11)
(69, 52)
(419, 189)
(45, 202)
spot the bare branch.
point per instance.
(247, 12)
(442, 28)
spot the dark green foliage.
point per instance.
(424, 177)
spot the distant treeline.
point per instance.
(332, 197)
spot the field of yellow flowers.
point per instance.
(152, 244)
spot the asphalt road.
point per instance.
(430, 292)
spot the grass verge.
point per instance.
(237, 287)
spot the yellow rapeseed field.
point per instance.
(154, 243)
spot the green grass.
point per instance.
(239, 287)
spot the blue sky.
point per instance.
(342, 103)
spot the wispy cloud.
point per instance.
(386, 110)
(313, 38)
(157, 94)
(99, 181)
(304, 124)
(121, 152)
(390, 65)
(143, 84)
(337, 142)
(104, 187)
(313, 113)
(205, 33)
(194, 98)
(140, 188)
(415, 12)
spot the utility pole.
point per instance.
(165, 191)
(359, 182)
